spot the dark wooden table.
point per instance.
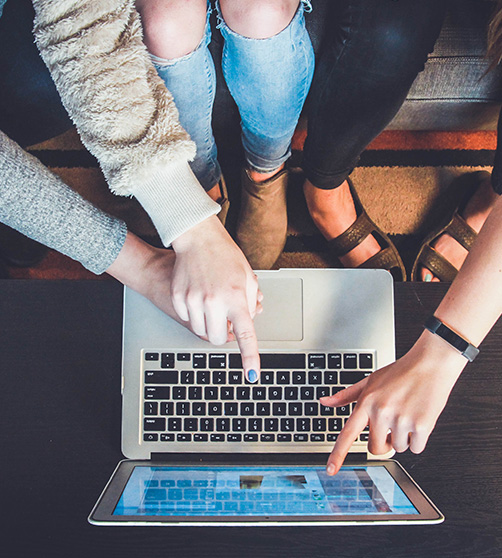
(60, 440)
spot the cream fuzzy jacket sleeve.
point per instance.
(124, 114)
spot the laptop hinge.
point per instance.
(242, 458)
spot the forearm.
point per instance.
(123, 112)
(40, 205)
(473, 303)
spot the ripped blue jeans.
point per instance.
(269, 80)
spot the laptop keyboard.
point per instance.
(205, 397)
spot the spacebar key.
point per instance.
(274, 361)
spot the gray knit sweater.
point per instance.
(122, 109)
(40, 205)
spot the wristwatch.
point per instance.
(466, 349)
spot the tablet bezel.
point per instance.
(102, 513)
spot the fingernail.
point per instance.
(252, 376)
(331, 469)
(428, 278)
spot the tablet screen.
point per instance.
(221, 491)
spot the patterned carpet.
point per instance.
(403, 180)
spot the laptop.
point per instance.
(205, 447)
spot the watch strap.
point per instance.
(466, 349)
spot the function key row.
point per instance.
(276, 361)
(281, 377)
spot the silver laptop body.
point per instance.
(314, 312)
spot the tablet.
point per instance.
(369, 492)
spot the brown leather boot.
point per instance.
(263, 219)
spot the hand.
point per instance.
(213, 285)
(401, 402)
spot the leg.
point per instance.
(371, 56)
(268, 64)
(177, 35)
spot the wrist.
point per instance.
(197, 234)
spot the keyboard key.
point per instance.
(199, 360)
(183, 357)
(179, 392)
(317, 361)
(217, 437)
(311, 409)
(332, 437)
(315, 377)
(334, 361)
(287, 424)
(273, 361)
(150, 408)
(267, 438)
(295, 409)
(263, 409)
(349, 378)
(200, 437)
(195, 392)
(234, 437)
(306, 393)
(235, 378)
(223, 425)
(330, 378)
(317, 437)
(238, 424)
(364, 437)
(350, 361)
(266, 377)
(271, 425)
(243, 393)
(206, 424)
(167, 360)
(215, 409)
(150, 437)
(231, 409)
(161, 377)
(322, 391)
(335, 424)
(247, 409)
(167, 408)
(183, 408)
(157, 392)
(302, 424)
(301, 437)
(174, 424)
(259, 393)
(319, 424)
(255, 425)
(203, 377)
(167, 437)
(198, 408)
(299, 377)
(191, 424)
(279, 409)
(275, 393)
(291, 393)
(154, 424)
(187, 377)
(284, 437)
(151, 356)
(217, 361)
(326, 411)
(365, 361)
(343, 411)
(183, 437)
(283, 377)
(219, 377)
(227, 393)
(250, 437)
(211, 393)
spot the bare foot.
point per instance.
(475, 213)
(333, 212)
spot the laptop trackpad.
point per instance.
(282, 316)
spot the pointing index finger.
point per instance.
(245, 335)
(356, 423)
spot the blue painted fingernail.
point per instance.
(252, 376)
(428, 278)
